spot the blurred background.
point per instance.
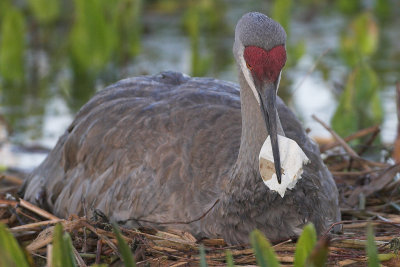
(343, 59)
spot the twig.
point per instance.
(20, 212)
(103, 237)
(31, 226)
(369, 142)
(373, 129)
(37, 210)
(14, 212)
(346, 147)
(38, 255)
(354, 173)
(343, 164)
(81, 262)
(373, 163)
(376, 184)
(98, 251)
(171, 222)
(11, 179)
(282, 243)
(8, 202)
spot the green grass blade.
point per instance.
(203, 261)
(124, 249)
(319, 254)
(305, 245)
(263, 250)
(386, 256)
(229, 259)
(11, 253)
(372, 251)
(63, 255)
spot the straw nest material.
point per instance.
(369, 192)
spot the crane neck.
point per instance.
(254, 131)
(243, 186)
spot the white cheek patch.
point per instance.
(279, 80)
(249, 79)
(292, 160)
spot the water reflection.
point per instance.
(82, 46)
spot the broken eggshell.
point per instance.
(292, 160)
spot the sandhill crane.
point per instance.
(170, 148)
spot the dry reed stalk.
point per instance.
(37, 210)
(33, 226)
(49, 255)
(285, 259)
(182, 263)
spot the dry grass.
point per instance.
(369, 192)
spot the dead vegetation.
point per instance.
(369, 192)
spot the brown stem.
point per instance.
(363, 132)
(346, 147)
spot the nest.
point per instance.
(369, 193)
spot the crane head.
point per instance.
(260, 52)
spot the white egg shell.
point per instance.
(292, 160)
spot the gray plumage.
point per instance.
(256, 29)
(165, 148)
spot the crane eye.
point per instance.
(248, 66)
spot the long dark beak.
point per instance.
(268, 109)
